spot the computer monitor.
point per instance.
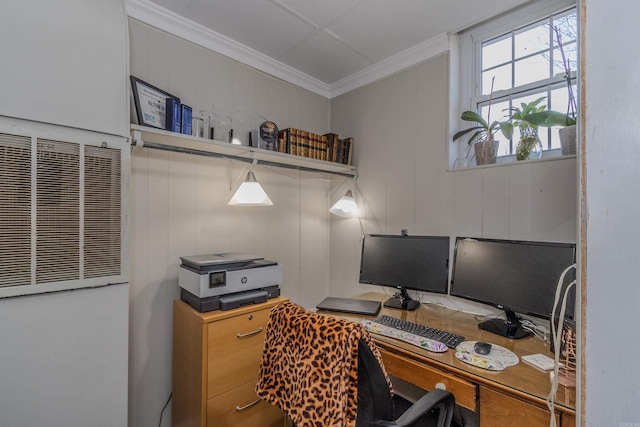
(516, 276)
(405, 262)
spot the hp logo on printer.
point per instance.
(244, 280)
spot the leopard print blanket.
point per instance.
(309, 366)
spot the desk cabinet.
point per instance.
(216, 357)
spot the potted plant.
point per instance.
(529, 145)
(482, 134)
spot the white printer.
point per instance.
(227, 280)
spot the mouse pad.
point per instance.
(497, 359)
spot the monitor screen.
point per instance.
(406, 262)
(517, 276)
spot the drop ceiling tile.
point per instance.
(379, 29)
(258, 24)
(178, 7)
(324, 58)
(321, 13)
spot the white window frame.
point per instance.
(469, 51)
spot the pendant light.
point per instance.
(250, 193)
(346, 207)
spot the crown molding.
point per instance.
(405, 59)
(157, 16)
(150, 13)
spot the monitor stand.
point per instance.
(509, 328)
(402, 300)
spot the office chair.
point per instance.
(326, 371)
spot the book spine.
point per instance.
(349, 154)
(294, 141)
(186, 113)
(173, 114)
(304, 140)
(339, 151)
(331, 140)
(282, 141)
(312, 145)
(336, 149)
(323, 147)
(316, 146)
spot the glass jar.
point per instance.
(529, 147)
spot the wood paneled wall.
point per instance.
(402, 141)
(179, 203)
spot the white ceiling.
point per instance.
(324, 45)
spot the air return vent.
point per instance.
(61, 212)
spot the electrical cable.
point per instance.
(540, 332)
(163, 408)
(556, 337)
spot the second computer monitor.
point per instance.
(516, 276)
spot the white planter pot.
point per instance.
(568, 140)
(486, 152)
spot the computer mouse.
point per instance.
(482, 347)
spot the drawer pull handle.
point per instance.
(242, 408)
(248, 334)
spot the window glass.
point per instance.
(532, 41)
(531, 69)
(502, 79)
(497, 52)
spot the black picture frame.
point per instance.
(150, 102)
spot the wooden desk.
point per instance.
(513, 397)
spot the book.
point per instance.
(313, 149)
(173, 115)
(303, 143)
(339, 151)
(185, 113)
(293, 138)
(349, 152)
(282, 141)
(323, 147)
(332, 141)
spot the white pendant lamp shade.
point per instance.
(250, 193)
(346, 207)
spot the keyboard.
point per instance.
(449, 339)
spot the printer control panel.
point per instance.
(217, 279)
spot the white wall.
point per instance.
(65, 62)
(612, 209)
(64, 355)
(401, 154)
(64, 358)
(179, 203)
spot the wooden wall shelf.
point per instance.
(143, 136)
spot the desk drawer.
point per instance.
(238, 407)
(427, 377)
(500, 410)
(234, 349)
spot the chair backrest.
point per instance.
(375, 401)
(309, 366)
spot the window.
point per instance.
(524, 62)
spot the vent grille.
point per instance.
(60, 211)
(102, 204)
(15, 209)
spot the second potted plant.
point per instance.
(529, 145)
(482, 135)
